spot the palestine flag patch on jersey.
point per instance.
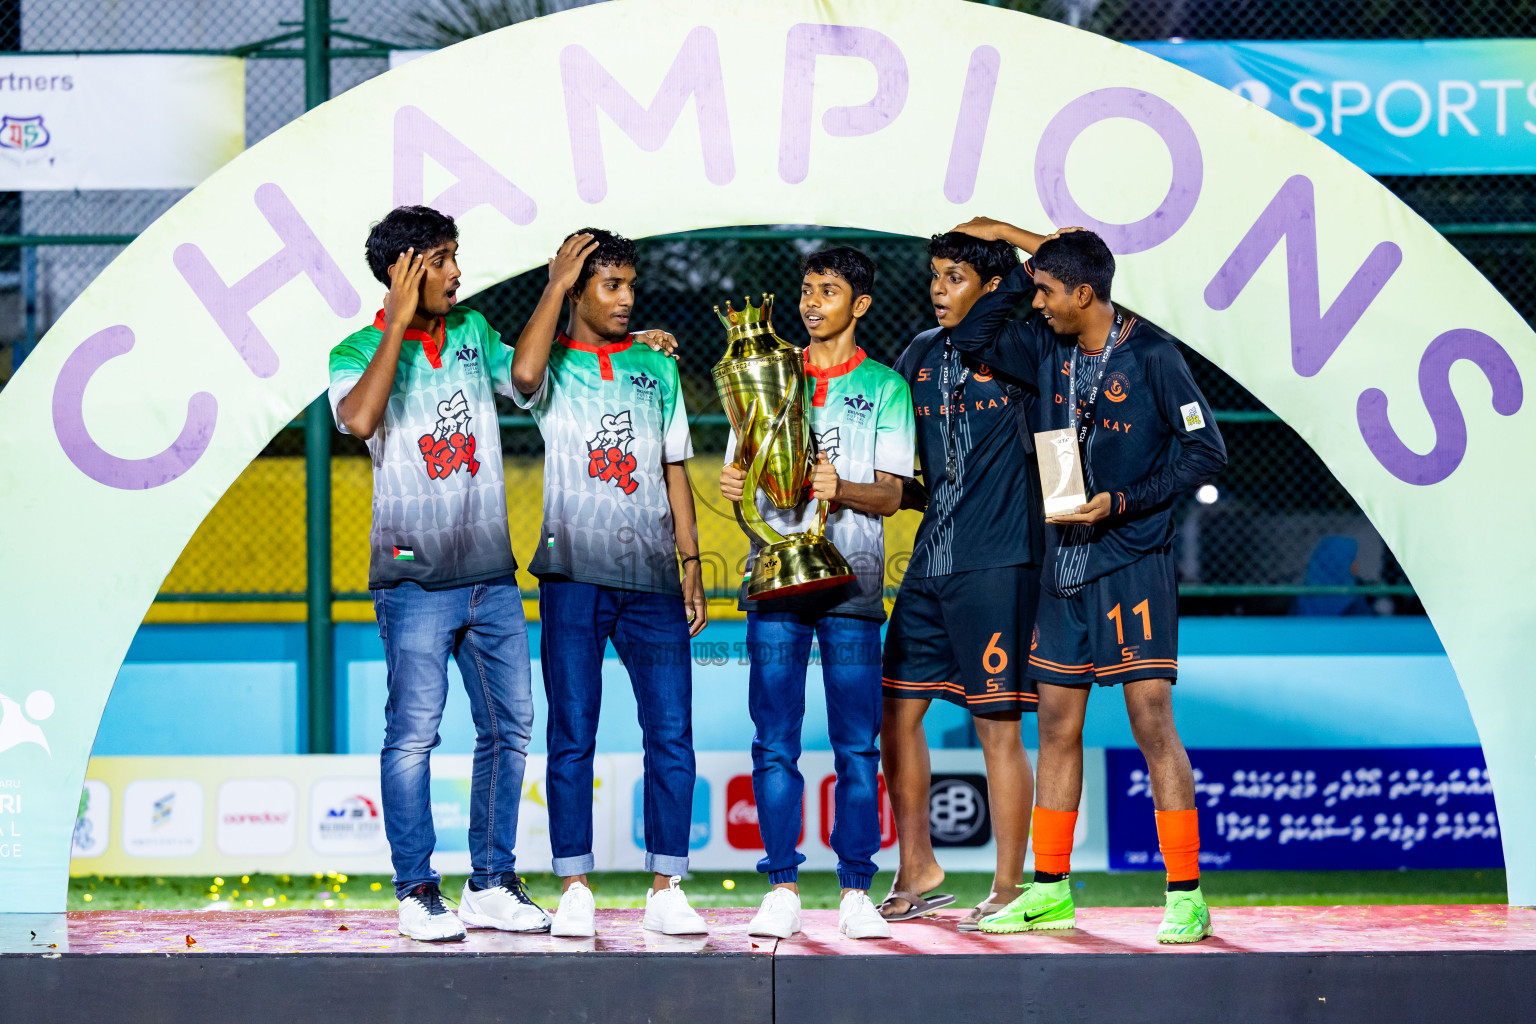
(403, 554)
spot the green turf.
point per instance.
(818, 889)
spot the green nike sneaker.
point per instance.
(1187, 918)
(1040, 906)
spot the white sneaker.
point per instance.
(504, 906)
(424, 917)
(779, 916)
(575, 917)
(667, 911)
(857, 918)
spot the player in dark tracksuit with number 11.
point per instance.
(1108, 610)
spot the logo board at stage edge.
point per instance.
(699, 830)
(741, 830)
(957, 811)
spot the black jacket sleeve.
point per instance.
(1201, 452)
(987, 334)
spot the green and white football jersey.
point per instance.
(439, 500)
(612, 416)
(861, 415)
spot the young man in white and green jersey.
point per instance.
(618, 511)
(861, 416)
(418, 386)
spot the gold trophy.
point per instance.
(761, 381)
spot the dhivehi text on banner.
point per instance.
(135, 121)
(1381, 809)
(1465, 106)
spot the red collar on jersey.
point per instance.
(819, 397)
(431, 343)
(604, 364)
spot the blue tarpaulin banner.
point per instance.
(1463, 106)
(1318, 809)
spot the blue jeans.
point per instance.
(650, 633)
(779, 644)
(482, 627)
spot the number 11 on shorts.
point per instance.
(1146, 621)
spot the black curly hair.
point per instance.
(1078, 257)
(406, 227)
(846, 262)
(612, 250)
(988, 259)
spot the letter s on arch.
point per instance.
(1444, 412)
(89, 457)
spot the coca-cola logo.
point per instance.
(741, 821)
(741, 815)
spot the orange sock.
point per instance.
(1178, 836)
(1052, 836)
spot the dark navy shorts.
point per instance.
(961, 637)
(1117, 628)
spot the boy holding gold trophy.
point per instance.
(834, 427)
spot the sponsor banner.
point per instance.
(110, 121)
(162, 818)
(1464, 106)
(257, 817)
(959, 816)
(295, 814)
(93, 826)
(1319, 809)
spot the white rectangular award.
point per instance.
(1061, 471)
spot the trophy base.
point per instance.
(798, 564)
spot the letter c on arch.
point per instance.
(93, 460)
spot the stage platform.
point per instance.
(1265, 964)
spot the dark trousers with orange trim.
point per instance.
(963, 638)
(1115, 629)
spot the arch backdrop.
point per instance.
(1294, 271)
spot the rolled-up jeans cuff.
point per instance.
(661, 864)
(565, 867)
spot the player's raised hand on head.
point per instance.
(985, 228)
(824, 481)
(404, 294)
(659, 341)
(733, 479)
(1096, 510)
(565, 268)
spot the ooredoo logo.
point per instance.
(257, 817)
(829, 812)
(741, 822)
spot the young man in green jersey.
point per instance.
(618, 513)
(417, 385)
(861, 416)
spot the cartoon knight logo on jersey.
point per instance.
(609, 455)
(450, 446)
(829, 444)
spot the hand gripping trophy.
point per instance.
(761, 381)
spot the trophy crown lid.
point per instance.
(748, 314)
